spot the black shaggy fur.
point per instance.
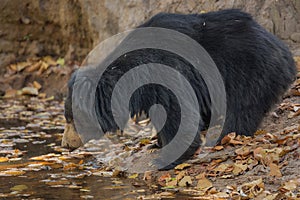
(257, 68)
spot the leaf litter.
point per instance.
(263, 167)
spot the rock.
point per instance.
(73, 28)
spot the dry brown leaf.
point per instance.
(29, 91)
(12, 172)
(274, 170)
(204, 184)
(42, 95)
(236, 142)
(44, 66)
(228, 138)
(80, 162)
(49, 60)
(19, 66)
(164, 177)
(70, 166)
(222, 167)
(19, 188)
(251, 189)
(218, 148)
(259, 153)
(243, 151)
(239, 168)
(185, 181)
(182, 166)
(37, 85)
(171, 183)
(45, 157)
(180, 175)
(34, 67)
(3, 159)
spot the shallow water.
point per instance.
(33, 165)
(24, 135)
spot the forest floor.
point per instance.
(33, 165)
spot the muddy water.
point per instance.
(34, 166)
(26, 138)
(98, 188)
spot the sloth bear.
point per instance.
(256, 67)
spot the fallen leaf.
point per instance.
(185, 181)
(218, 148)
(49, 60)
(172, 183)
(204, 184)
(274, 170)
(12, 172)
(221, 168)
(164, 177)
(80, 162)
(29, 91)
(20, 66)
(228, 138)
(251, 189)
(19, 188)
(60, 61)
(182, 166)
(3, 159)
(180, 175)
(243, 151)
(144, 142)
(37, 85)
(70, 166)
(133, 176)
(238, 168)
(34, 67)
